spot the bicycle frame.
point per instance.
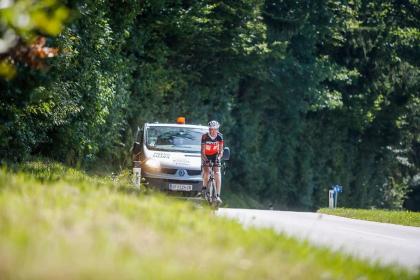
(211, 186)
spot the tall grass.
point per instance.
(59, 223)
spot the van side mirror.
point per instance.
(136, 148)
(137, 145)
(226, 153)
(139, 136)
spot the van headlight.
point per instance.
(153, 163)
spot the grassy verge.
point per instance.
(405, 218)
(59, 223)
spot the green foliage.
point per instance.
(24, 20)
(309, 94)
(330, 112)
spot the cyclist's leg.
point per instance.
(206, 171)
(218, 178)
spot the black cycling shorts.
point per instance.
(212, 158)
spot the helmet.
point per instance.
(214, 124)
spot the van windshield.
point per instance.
(174, 139)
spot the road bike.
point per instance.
(211, 193)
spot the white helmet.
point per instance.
(214, 124)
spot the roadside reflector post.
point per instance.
(331, 199)
(137, 174)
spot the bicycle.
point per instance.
(211, 192)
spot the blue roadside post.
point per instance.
(337, 189)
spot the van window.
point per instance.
(174, 139)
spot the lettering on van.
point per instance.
(160, 155)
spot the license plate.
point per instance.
(180, 187)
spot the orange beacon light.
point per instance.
(180, 120)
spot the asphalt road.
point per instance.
(372, 241)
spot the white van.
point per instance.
(169, 156)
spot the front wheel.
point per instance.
(212, 195)
(210, 191)
(215, 205)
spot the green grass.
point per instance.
(59, 223)
(405, 218)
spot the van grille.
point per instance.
(193, 172)
(172, 171)
(161, 170)
(168, 170)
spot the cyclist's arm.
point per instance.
(203, 148)
(203, 152)
(221, 145)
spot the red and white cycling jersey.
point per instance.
(212, 146)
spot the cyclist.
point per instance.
(212, 150)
